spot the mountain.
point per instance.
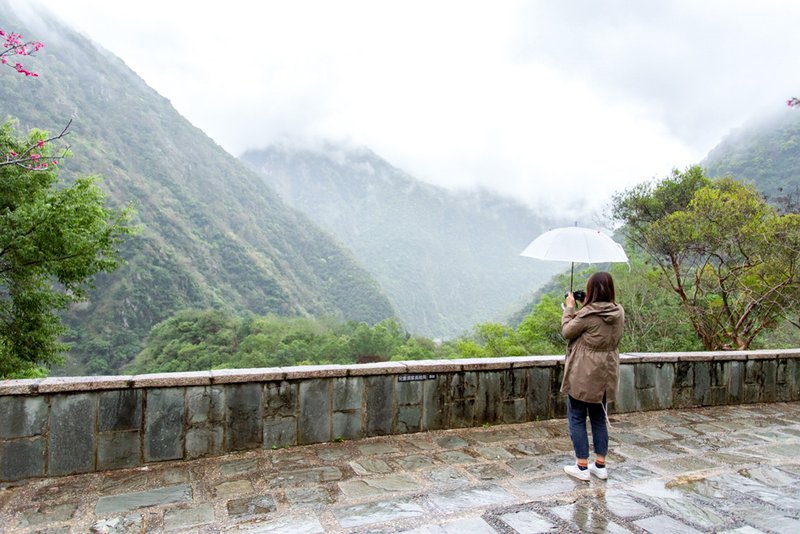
(447, 260)
(212, 235)
(765, 152)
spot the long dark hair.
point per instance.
(599, 288)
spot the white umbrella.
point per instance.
(577, 245)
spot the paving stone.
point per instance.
(472, 525)
(305, 476)
(129, 524)
(526, 466)
(487, 471)
(377, 512)
(130, 501)
(455, 457)
(261, 504)
(370, 466)
(238, 467)
(234, 487)
(366, 487)
(621, 504)
(664, 524)
(447, 475)
(768, 520)
(377, 448)
(299, 524)
(47, 514)
(527, 521)
(586, 519)
(181, 518)
(308, 497)
(415, 462)
(494, 453)
(452, 442)
(682, 464)
(538, 487)
(470, 498)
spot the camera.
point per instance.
(579, 295)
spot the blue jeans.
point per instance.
(576, 416)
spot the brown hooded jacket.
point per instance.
(591, 368)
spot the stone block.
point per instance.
(463, 385)
(347, 425)
(664, 382)
(409, 419)
(538, 393)
(736, 381)
(435, 402)
(163, 424)
(22, 416)
(515, 411)
(488, 398)
(461, 413)
(720, 373)
(780, 374)
(645, 375)
(684, 374)
(753, 372)
(314, 425)
(717, 396)
(281, 398)
(558, 403)
(205, 404)
(204, 441)
(408, 393)
(683, 397)
(769, 368)
(380, 405)
(646, 399)
(348, 393)
(71, 448)
(244, 408)
(625, 401)
(119, 449)
(120, 409)
(702, 382)
(515, 383)
(280, 432)
(21, 459)
(752, 393)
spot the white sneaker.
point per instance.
(599, 472)
(575, 472)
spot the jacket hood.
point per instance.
(610, 312)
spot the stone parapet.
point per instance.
(69, 425)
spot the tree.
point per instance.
(53, 239)
(730, 257)
(14, 45)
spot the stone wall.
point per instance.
(62, 426)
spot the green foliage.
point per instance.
(194, 340)
(212, 235)
(53, 240)
(730, 257)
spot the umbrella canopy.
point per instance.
(577, 245)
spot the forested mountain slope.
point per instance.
(765, 152)
(447, 260)
(212, 235)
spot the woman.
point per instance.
(591, 370)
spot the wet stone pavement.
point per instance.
(721, 469)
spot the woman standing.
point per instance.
(591, 370)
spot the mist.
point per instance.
(557, 105)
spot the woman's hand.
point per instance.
(570, 300)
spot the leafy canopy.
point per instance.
(53, 238)
(730, 257)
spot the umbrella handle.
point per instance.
(571, 273)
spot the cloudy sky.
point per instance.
(547, 101)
